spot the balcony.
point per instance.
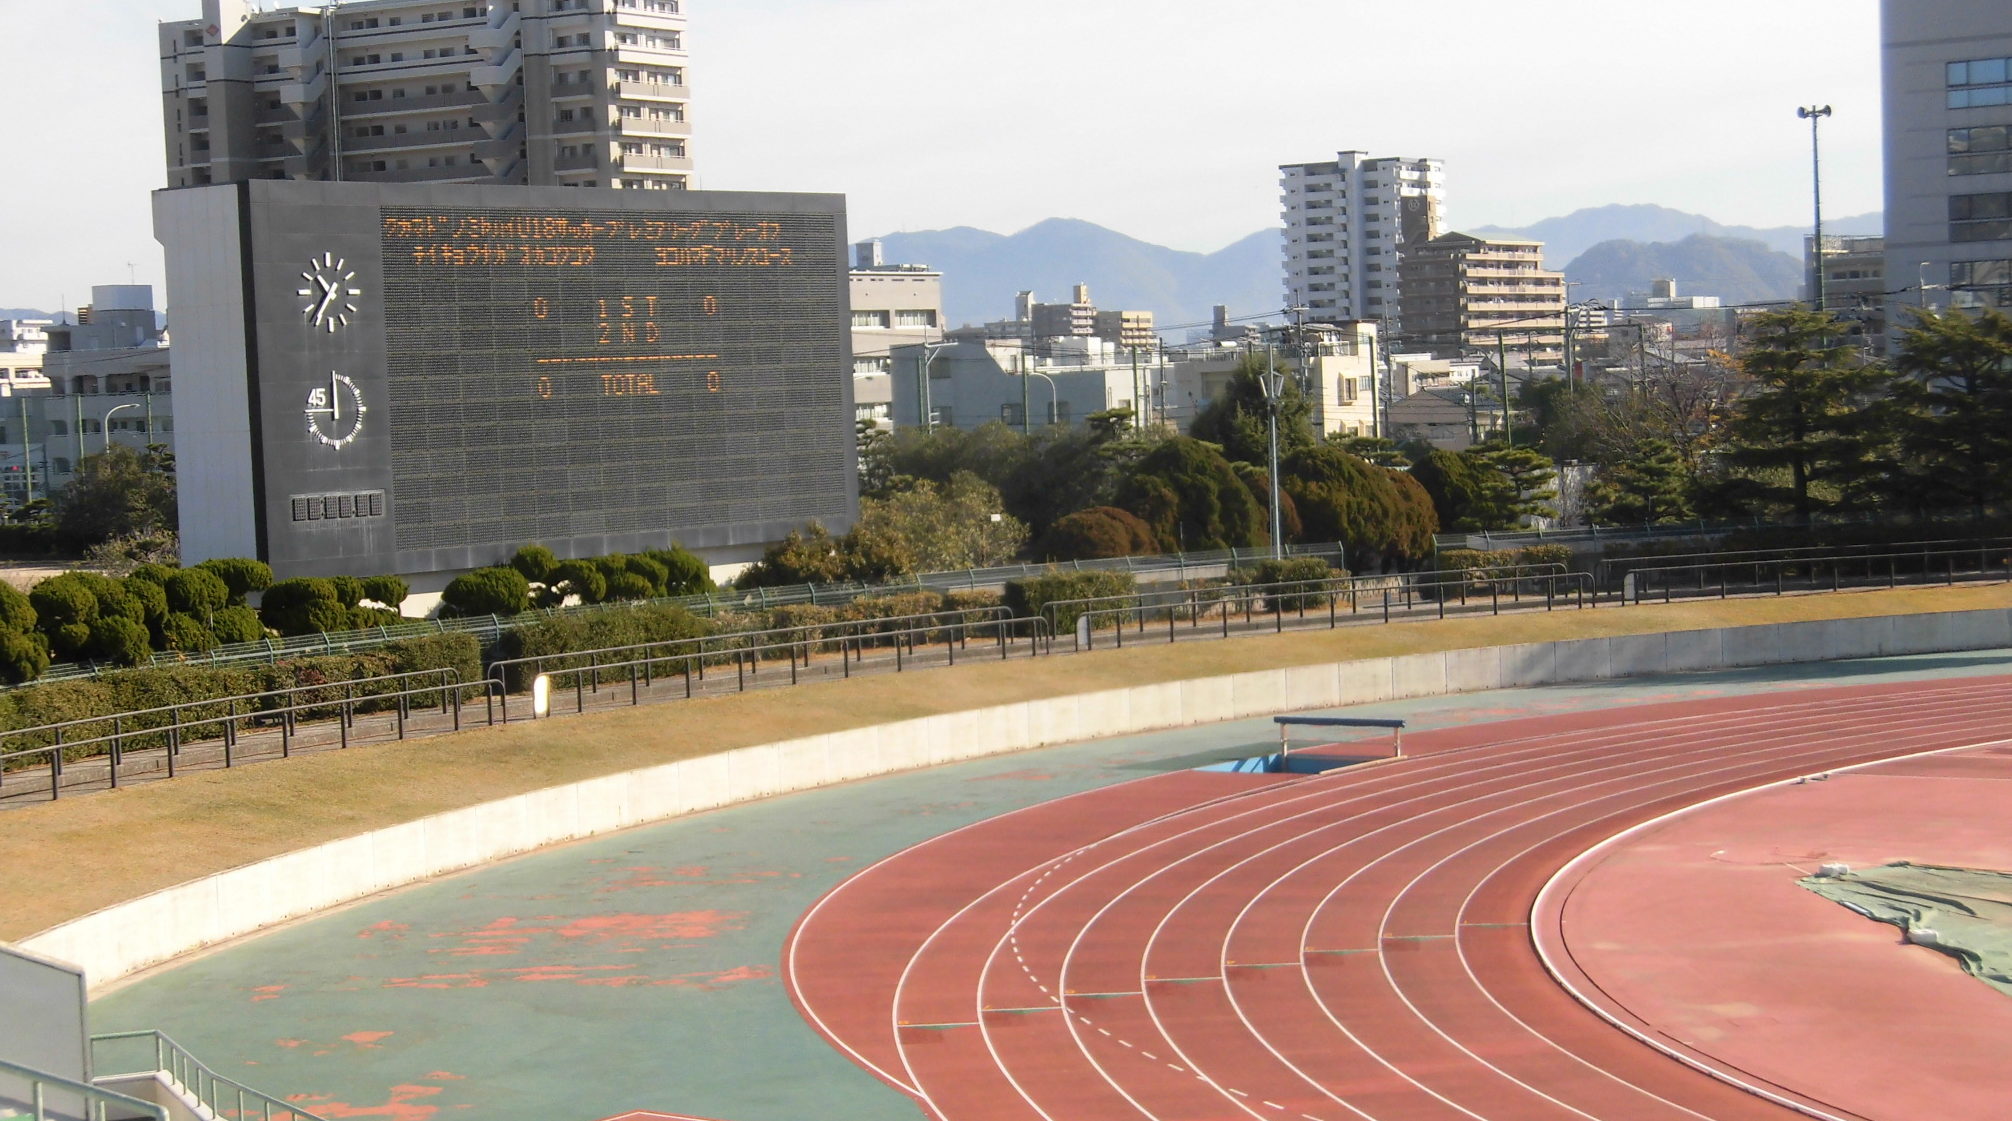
(653, 91)
(424, 103)
(454, 138)
(505, 146)
(632, 162)
(648, 126)
(303, 92)
(584, 161)
(420, 174)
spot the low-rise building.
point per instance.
(1077, 319)
(892, 305)
(23, 342)
(1854, 282)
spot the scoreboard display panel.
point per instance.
(442, 374)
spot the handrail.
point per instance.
(1159, 597)
(1298, 594)
(1608, 565)
(1982, 551)
(448, 688)
(96, 1098)
(858, 626)
(203, 1084)
(851, 649)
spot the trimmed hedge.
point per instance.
(1028, 596)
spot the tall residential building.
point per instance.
(1347, 223)
(1466, 292)
(1947, 89)
(580, 93)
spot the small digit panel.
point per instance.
(573, 373)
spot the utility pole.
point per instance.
(1273, 387)
(1812, 114)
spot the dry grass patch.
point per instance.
(68, 858)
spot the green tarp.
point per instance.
(1969, 910)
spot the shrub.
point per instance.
(120, 640)
(1292, 570)
(152, 573)
(535, 563)
(197, 592)
(187, 634)
(686, 574)
(649, 570)
(579, 578)
(1028, 596)
(348, 590)
(23, 656)
(600, 630)
(302, 605)
(63, 600)
(237, 624)
(629, 585)
(153, 600)
(1100, 531)
(387, 590)
(242, 575)
(487, 591)
(16, 613)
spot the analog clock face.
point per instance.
(328, 298)
(335, 411)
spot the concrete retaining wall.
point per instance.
(119, 940)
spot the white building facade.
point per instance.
(585, 93)
(1347, 222)
(892, 305)
(1947, 92)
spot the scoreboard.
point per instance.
(436, 375)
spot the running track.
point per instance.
(1353, 945)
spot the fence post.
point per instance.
(118, 737)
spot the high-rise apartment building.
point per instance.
(1347, 222)
(583, 93)
(1463, 292)
(1947, 89)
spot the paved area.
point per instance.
(1699, 928)
(640, 971)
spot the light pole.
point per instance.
(1812, 114)
(1054, 408)
(105, 423)
(928, 360)
(1274, 385)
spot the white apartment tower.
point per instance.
(581, 93)
(1346, 223)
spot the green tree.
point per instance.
(303, 605)
(17, 614)
(536, 562)
(959, 524)
(1192, 498)
(807, 556)
(1379, 450)
(116, 493)
(685, 573)
(1343, 498)
(1100, 531)
(387, 590)
(1652, 486)
(197, 592)
(1953, 389)
(1520, 486)
(577, 578)
(23, 657)
(1458, 489)
(1804, 423)
(1235, 418)
(237, 623)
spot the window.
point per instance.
(62, 428)
(1012, 414)
(1058, 411)
(1980, 283)
(869, 319)
(1983, 217)
(1984, 150)
(1980, 82)
(62, 465)
(923, 317)
(942, 415)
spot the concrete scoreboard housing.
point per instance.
(418, 379)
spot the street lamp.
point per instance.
(1054, 407)
(105, 424)
(922, 396)
(1812, 114)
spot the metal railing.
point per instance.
(221, 1096)
(170, 727)
(907, 644)
(1834, 572)
(1613, 570)
(1161, 597)
(1296, 597)
(96, 1100)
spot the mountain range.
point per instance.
(1607, 251)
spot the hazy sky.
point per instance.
(1163, 119)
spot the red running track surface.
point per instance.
(1353, 945)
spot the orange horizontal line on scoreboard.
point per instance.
(628, 358)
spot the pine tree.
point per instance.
(1953, 386)
(1803, 433)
